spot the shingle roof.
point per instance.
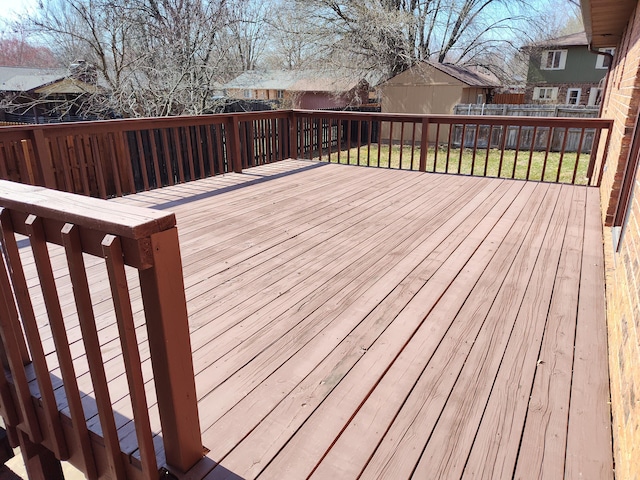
(296, 80)
(469, 75)
(23, 79)
(572, 40)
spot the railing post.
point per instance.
(167, 325)
(424, 144)
(233, 137)
(293, 134)
(43, 158)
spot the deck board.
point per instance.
(355, 322)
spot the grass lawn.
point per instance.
(403, 159)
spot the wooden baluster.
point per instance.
(578, 153)
(424, 144)
(9, 326)
(154, 157)
(167, 325)
(77, 272)
(52, 418)
(531, 150)
(126, 329)
(60, 339)
(167, 156)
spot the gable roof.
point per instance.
(573, 40)
(293, 80)
(471, 76)
(24, 79)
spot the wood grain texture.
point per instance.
(353, 322)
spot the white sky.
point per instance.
(10, 9)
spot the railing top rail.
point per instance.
(94, 217)
(467, 119)
(125, 221)
(146, 123)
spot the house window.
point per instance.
(480, 99)
(573, 96)
(604, 61)
(279, 93)
(248, 94)
(553, 60)
(545, 94)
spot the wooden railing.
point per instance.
(124, 282)
(560, 150)
(114, 158)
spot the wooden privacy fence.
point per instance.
(124, 284)
(113, 158)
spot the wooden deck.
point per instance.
(351, 322)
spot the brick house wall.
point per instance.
(562, 92)
(621, 103)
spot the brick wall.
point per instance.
(562, 92)
(621, 103)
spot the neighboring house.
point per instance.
(435, 88)
(309, 89)
(37, 95)
(563, 71)
(615, 24)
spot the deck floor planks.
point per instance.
(317, 434)
(589, 434)
(401, 383)
(497, 440)
(382, 306)
(464, 408)
(325, 341)
(545, 430)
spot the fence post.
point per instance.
(165, 309)
(233, 137)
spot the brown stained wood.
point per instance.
(589, 433)
(464, 409)
(504, 415)
(60, 338)
(97, 156)
(545, 429)
(43, 155)
(219, 139)
(562, 152)
(40, 463)
(210, 154)
(169, 343)
(401, 144)
(124, 315)
(189, 146)
(9, 331)
(23, 299)
(125, 163)
(71, 241)
(390, 144)
(200, 153)
(142, 160)
(115, 170)
(9, 410)
(517, 150)
(88, 212)
(265, 304)
(177, 148)
(531, 150)
(167, 156)
(385, 405)
(486, 158)
(29, 157)
(575, 168)
(546, 152)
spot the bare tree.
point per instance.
(157, 57)
(390, 35)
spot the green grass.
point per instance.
(495, 166)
